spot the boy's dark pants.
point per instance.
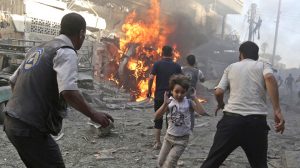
(36, 149)
(248, 132)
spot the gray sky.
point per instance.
(289, 28)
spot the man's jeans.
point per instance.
(233, 130)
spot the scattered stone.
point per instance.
(85, 138)
(103, 156)
(137, 109)
(59, 136)
(116, 99)
(99, 103)
(150, 127)
(65, 153)
(202, 125)
(154, 157)
(100, 131)
(85, 81)
(133, 123)
(87, 97)
(180, 163)
(273, 157)
(107, 154)
(291, 159)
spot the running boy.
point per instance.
(179, 110)
(192, 73)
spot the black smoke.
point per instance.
(189, 34)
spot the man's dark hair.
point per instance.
(71, 24)
(167, 51)
(179, 80)
(191, 60)
(249, 50)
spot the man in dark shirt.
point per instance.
(44, 82)
(163, 70)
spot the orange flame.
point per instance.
(138, 67)
(111, 78)
(201, 100)
(143, 86)
(149, 34)
(150, 31)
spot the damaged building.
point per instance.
(195, 28)
(123, 40)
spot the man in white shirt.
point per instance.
(244, 122)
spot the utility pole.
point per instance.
(276, 33)
(251, 21)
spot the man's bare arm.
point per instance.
(76, 100)
(219, 94)
(150, 83)
(163, 108)
(272, 89)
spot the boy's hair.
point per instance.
(71, 24)
(249, 50)
(179, 80)
(167, 51)
(191, 60)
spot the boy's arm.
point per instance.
(201, 76)
(198, 108)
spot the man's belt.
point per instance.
(260, 116)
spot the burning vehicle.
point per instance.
(139, 47)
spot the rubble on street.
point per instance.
(130, 142)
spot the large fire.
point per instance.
(140, 46)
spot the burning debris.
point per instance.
(140, 46)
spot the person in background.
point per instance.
(41, 88)
(298, 89)
(162, 70)
(289, 81)
(194, 75)
(244, 121)
(278, 77)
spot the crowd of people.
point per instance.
(46, 82)
(289, 88)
